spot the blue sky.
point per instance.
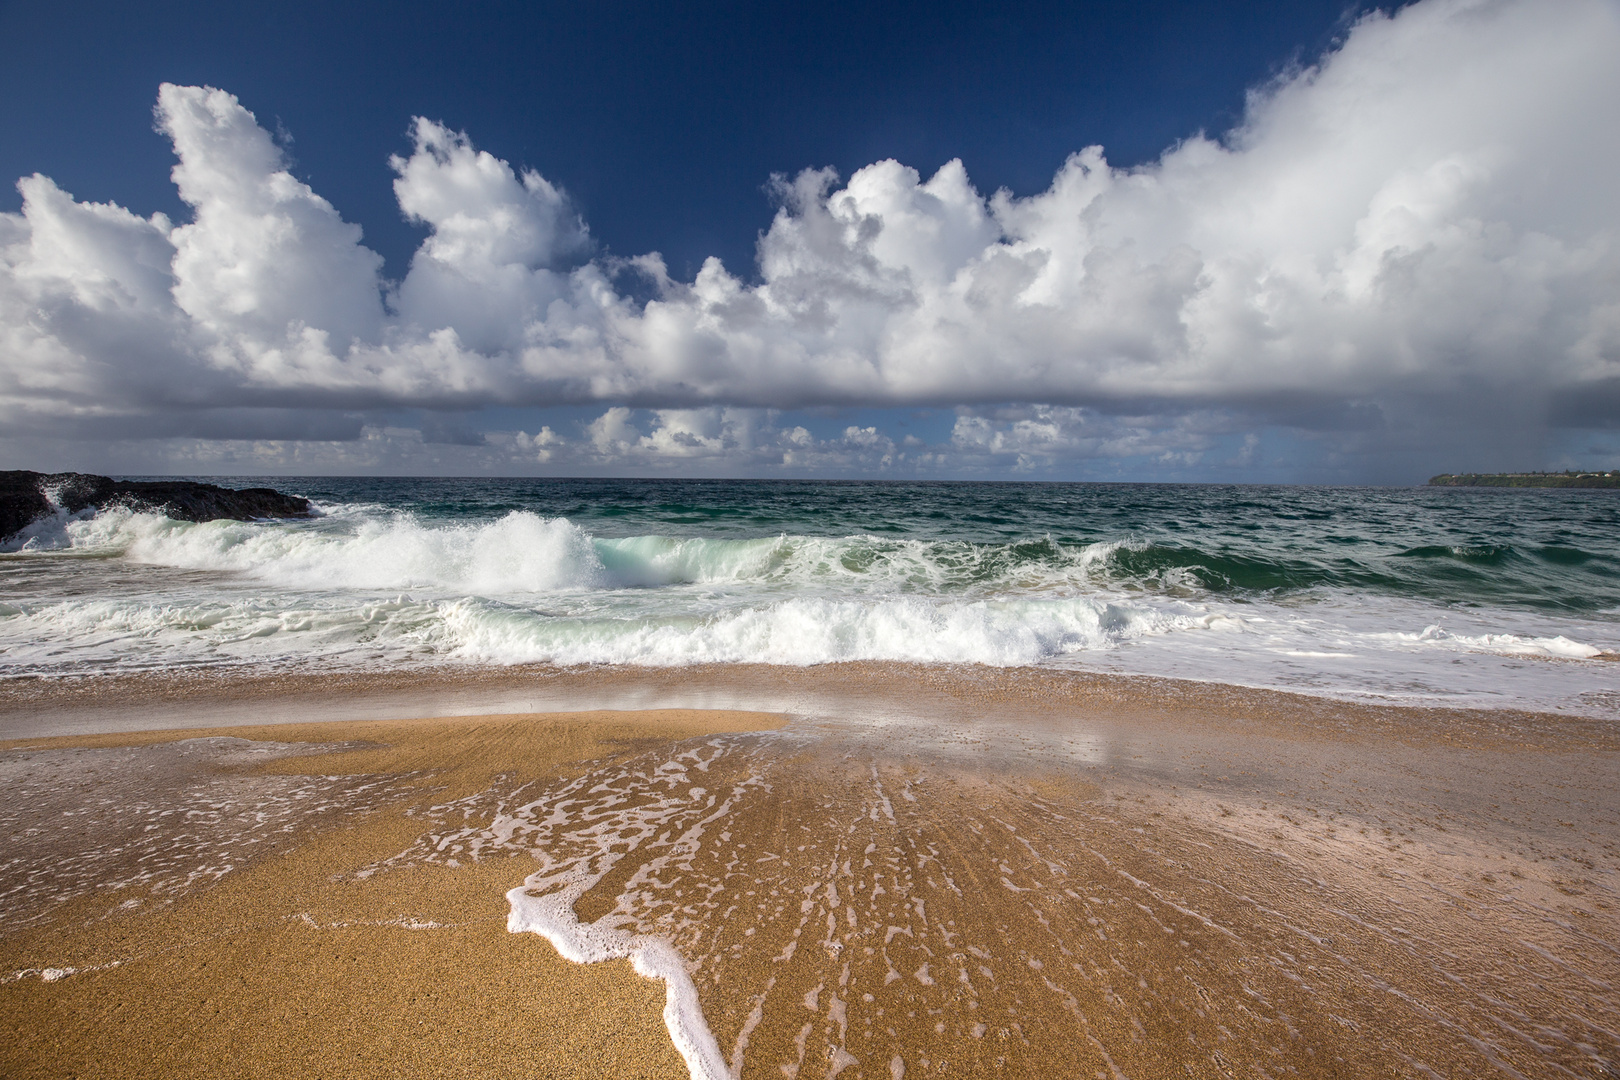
(1317, 243)
(663, 121)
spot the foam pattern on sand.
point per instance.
(144, 824)
(822, 905)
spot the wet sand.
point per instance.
(204, 914)
(889, 871)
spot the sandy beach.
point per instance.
(866, 870)
(1067, 541)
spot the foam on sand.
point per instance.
(1035, 884)
(544, 903)
(552, 918)
(818, 902)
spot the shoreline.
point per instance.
(1214, 842)
(48, 706)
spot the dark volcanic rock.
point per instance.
(23, 501)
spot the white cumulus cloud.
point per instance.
(489, 268)
(1418, 234)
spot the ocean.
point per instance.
(1430, 596)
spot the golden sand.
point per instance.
(935, 874)
(291, 967)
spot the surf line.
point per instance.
(552, 917)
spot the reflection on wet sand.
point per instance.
(948, 904)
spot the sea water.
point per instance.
(1506, 597)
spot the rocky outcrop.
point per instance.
(23, 498)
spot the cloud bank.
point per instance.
(1415, 240)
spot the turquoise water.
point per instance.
(1548, 549)
(1471, 595)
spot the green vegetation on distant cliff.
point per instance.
(1566, 479)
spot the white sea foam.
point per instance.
(519, 553)
(364, 585)
(811, 631)
(579, 833)
(1506, 644)
(552, 917)
(523, 552)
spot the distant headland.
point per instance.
(1566, 479)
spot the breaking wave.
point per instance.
(523, 552)
(366, 583)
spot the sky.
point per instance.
(1233, 242)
